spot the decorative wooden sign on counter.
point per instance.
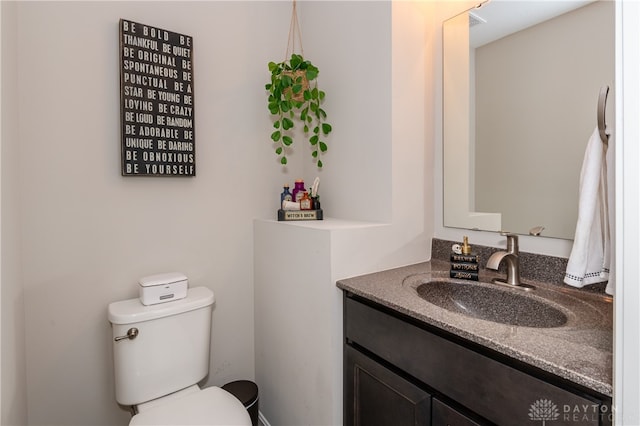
(287, 215)
(156, 94)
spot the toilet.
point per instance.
(160, 354)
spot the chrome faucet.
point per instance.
(512, 259)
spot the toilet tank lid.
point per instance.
(163, 279)
(132, 310)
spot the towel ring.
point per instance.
(602, 109)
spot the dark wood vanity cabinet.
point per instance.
(381, 397)
(399, 371)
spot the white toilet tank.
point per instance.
(170, 350)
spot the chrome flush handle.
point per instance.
(132, 333)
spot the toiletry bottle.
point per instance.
(298, 190)
(462, 253)
(466, 254)
(285, 196)
(315, 201)
(464, 263)
(305, 202)
(466, 248)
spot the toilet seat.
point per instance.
(209, 406)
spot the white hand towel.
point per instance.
(611, 179)
(589, 260)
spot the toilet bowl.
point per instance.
(161, 353)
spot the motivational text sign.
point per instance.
(156, 84)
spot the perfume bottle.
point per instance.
(298, 190)
(305, 202)
(285, 196)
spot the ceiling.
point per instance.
(503, 17)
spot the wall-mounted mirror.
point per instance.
(520, 88)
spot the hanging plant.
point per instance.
(294, 98)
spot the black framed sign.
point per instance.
(156, 101)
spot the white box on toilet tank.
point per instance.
(163, 288)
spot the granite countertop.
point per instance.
(580, 351)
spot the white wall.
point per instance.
(88, 234)
(627, 297)
(298, 315)
(13, 402)
(340, 36)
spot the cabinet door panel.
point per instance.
(376, 396)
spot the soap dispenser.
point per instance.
(466, 248)
(464, 263)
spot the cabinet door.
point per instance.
(376, 396)
(443, 415)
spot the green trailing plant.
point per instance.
(294, 97)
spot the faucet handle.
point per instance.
(512, 241)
